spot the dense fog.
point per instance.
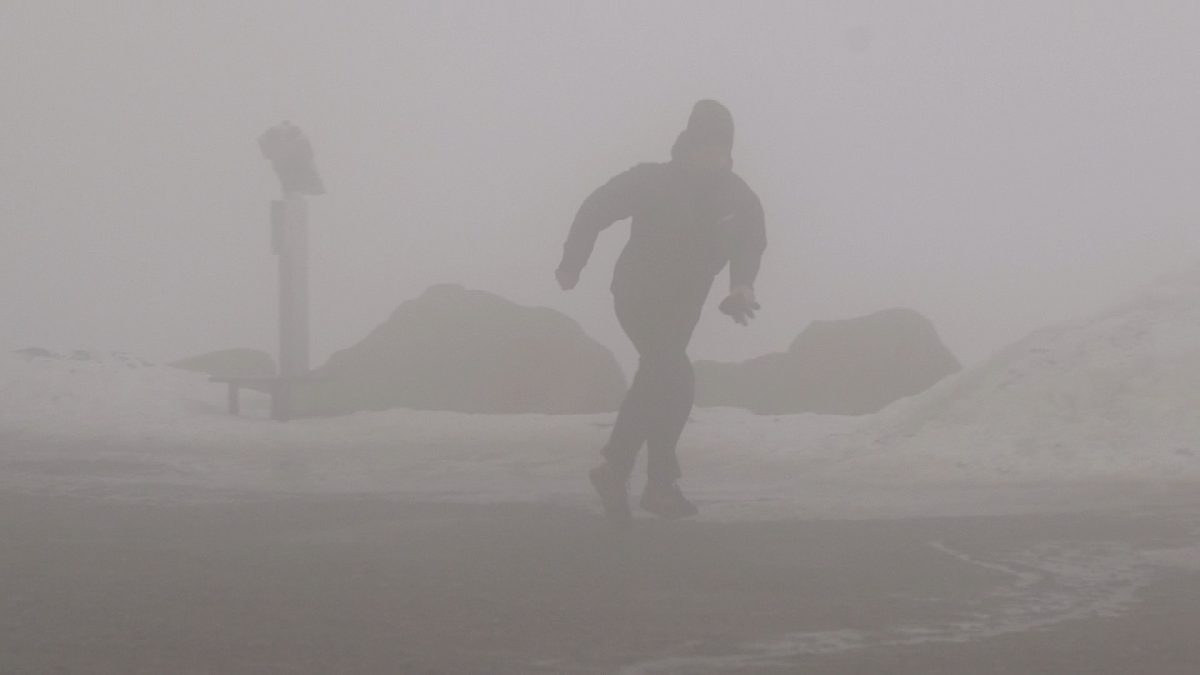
(960, 435)
(995, 166)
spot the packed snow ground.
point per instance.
(1073, 408)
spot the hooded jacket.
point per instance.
(685, 227)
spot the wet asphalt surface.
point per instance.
(99, 584)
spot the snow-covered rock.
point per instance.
(849, 367)
(469, 351)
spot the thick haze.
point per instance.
(996, 166)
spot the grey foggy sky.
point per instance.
(997, 166)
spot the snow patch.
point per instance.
(1112, 397)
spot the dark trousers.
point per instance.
(658, 403)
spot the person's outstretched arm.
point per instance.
(613, 201)
(746, 261)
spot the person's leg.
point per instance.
(629, 430)
(655, 409)
(674, 406)
(673, 387)
(635, 415)
(611, 479)
(673, 394)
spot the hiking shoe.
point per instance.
(667, 501)
(614, 496)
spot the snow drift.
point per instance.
(1111, 397)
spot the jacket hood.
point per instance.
(710, 124)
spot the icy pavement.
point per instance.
(1041, 588)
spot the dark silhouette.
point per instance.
(691, 216)
(291, 155)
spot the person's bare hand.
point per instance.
(566, 278)
(740, 305)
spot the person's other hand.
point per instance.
(740, 305)
(566, 278)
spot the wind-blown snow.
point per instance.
(1110, 397)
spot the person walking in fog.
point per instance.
(691, 217)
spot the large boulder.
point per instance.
(850, 367)
(230, 363)
(469, 351)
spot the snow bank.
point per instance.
(171, 426)
(1113, 397)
